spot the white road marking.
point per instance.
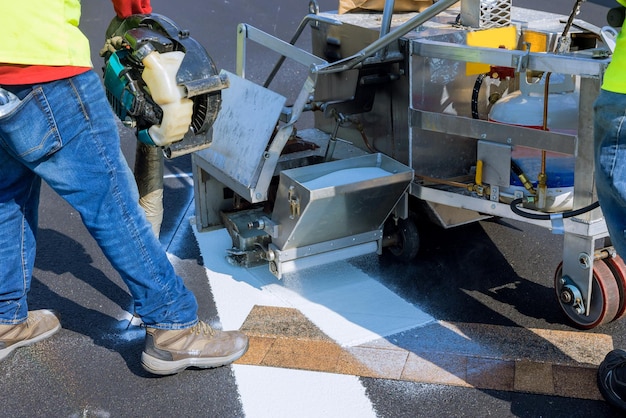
(268, 392)
(344, 302)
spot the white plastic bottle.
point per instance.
(160, 77)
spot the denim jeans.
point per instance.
(610, 161)
(64, 132)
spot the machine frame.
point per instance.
(378, 69)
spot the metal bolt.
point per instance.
(566, 296)
(584, 260)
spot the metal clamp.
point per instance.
(8, 102)
(294, 203)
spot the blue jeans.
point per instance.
(64, 132)
(610, 161)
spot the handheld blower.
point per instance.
(162, 82)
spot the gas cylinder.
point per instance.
(525, 107)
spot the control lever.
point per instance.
(564, 42)
(609, 35)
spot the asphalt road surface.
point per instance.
(476, 292)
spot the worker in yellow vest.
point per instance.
(56, 125)
(610, 160)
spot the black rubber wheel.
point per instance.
(403, 238)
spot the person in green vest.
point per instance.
(56, 125)
(610, 162)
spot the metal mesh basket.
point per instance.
(486, 14)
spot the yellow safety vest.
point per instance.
(615, 75)
(43, 32)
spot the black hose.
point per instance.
(517, 170)
(547, 217)
(475, 91)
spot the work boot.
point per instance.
(38, 326)
(170, 351)
(612, 379)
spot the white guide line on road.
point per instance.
(268, 392)
(186, 177)
(342, 301)
(178, 175)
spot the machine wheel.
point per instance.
(618, 268)
(605, 297)
(402, 239)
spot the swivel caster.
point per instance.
(606, 302)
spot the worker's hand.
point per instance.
(117, 27)
(125, 8)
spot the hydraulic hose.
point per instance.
(520, 174)
(477, 84)
(547, 217)
(149, 177)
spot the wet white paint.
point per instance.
(344, 302)
(346, 176)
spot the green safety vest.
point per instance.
(43, 32)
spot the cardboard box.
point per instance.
(346, 6)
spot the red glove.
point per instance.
(125, 8)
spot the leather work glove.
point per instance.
(116, 29)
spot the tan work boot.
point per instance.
(170, 351)
(38, 326)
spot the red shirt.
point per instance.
(33, 74)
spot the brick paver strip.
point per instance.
(546, 362)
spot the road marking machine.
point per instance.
(456, 112)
